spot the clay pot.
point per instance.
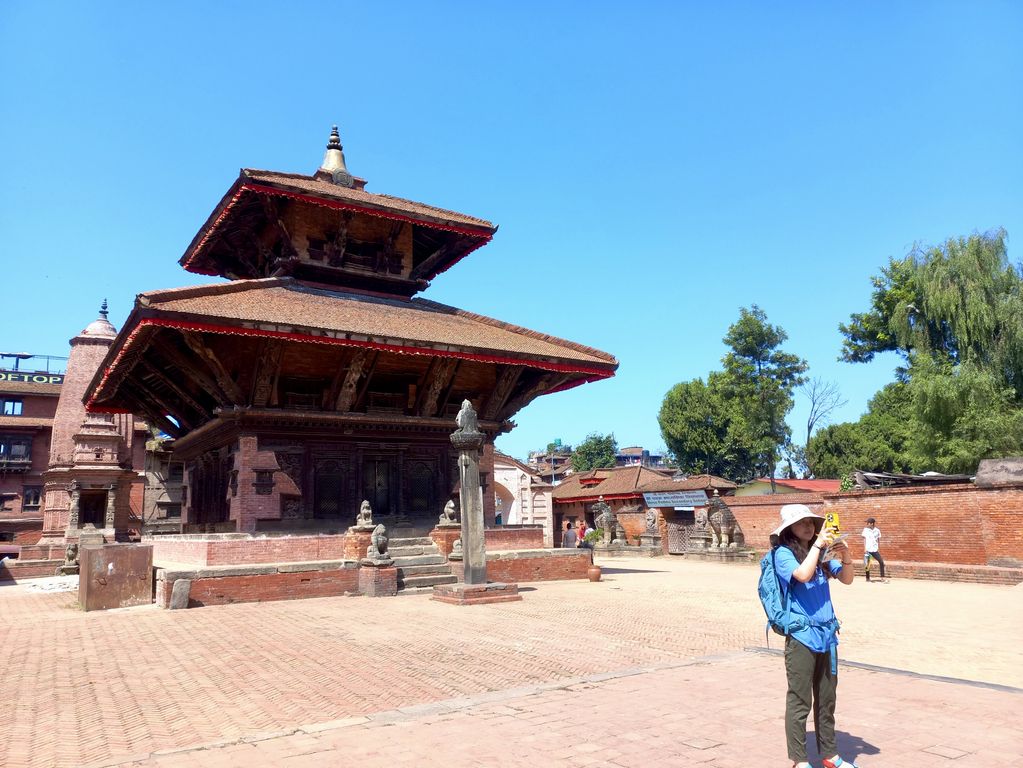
(593, 573)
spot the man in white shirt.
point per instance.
(871, 546)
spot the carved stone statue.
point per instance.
(70, 564)
(456, 549)
(651, 520)
(604, 519)
(376, 552)
(722, 523)
(449, 516)
(619, 537)
(365, 518)
(466, 419)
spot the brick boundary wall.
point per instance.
(927, 530)
(26, 532)
(533, 565)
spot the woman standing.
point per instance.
(811, 654)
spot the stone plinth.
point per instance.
(722, 554)
(357, 541)
(115, 576)
(476, 594)
(444, 537)
(378, 581)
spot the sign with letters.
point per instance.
(676, 499)
(32, 378)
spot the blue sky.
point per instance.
(652, 168)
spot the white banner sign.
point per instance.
(676, 499)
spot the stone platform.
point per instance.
(476, 594)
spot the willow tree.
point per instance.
(955, 314)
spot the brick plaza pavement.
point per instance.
(645, 668)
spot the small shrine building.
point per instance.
(314, 377)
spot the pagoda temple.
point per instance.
(314, 378)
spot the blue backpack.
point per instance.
(777, 608)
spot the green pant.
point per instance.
(810, 680)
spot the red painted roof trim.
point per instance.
(593, 373)
(483, 237)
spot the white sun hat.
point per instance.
(793, 513)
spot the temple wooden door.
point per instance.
(378, 484)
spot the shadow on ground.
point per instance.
(849, 747)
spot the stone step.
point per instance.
(404, 562)
(425, 581)
(412, 551)
(423, 570)
(417, 541)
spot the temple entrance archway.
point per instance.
(92, 508)
(505, 503)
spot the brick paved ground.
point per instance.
(112, 688)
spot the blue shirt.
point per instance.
(811, 601)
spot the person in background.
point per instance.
(568, 538)
(871, 547)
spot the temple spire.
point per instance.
(334, 161)
(103, 309)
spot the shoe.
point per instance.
(838, 763)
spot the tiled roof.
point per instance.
(25, 421)
(632, 480)
(325, 189)
(29, 388)
(291, 306)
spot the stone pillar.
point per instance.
(76, 498)
(468, 440)
(110, 518)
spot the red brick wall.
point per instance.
(566, 564)
(26, 533)
(959, 524)
(269, 549)
(508, 538)
(270, 586)
(634, 524)
(759, 515)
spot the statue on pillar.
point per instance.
(468, 440)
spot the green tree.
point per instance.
(734, 425)
(760, 377)
(595, 452)
(699, 430)
(955, 314)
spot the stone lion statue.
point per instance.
(722, 523)
(449, 516)
(365, 518)
(377, 549)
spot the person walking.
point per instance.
(872, 547)
(806, 560)
(568, 538)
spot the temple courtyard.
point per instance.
(660, 664)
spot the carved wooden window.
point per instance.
(264, 482)
(328, 489)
